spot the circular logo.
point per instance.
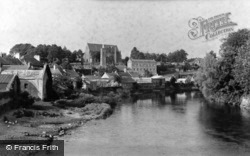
(8, 147)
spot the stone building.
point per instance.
(141, 66)
(9, 83)
(38, 83)
(96, 54)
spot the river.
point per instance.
(158, 124)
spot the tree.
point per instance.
(65, 64)
(23, 49)
(134, 53)
(207, 76)
(226, 79)
(177, 56)
(125, 60)
(147, 73)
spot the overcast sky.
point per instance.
(151, 26)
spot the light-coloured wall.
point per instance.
(86, 55)
(140, 67)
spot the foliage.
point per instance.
(226, 79)
(63, 86)
(23, 100)
(147, 73)
(23, 49)
(47, 53)
(176, 56)
(206, 77)
(125, 60)
(66, 64)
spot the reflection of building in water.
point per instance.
(188, 95)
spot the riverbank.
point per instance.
(44, 120)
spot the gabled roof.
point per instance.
(55, 71)
(134, 74)
(122, 74)
(26, 73)
(3, 61)
(97, 47)
(30, 59)
(5, 81)
(71, 73)
(110, 75)
(91, 77)
(15, 67)
(127, 80)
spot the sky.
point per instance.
(151, 26)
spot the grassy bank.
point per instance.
(50, 120)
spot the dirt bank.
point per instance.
(44, 121)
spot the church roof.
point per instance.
(97, 47)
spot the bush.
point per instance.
(23, 100)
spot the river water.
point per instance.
(158, 124)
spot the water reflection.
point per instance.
(226, 124)
(167, 124)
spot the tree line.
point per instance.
(48, 53)
(176, 56)
(226, 78)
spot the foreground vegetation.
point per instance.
(225, 79)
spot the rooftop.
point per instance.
(142, 60)
(97, 47)
(5, 79)
(15, 67)
(30, 59)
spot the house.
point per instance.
(76, 65)
(56, 71)
(90, 82)
(97, 54)
(126, 81)
(113, 79)
(32, 61)
(181, 80)
(158, 81)
(141, 66)
(110, 76)
(196, 61)
(72, 75)
(38, 83)
(9, 60)
(9, 83)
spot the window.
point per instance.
(25, 85)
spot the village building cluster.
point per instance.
(28, 73)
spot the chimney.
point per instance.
(37, 57)
(125, 70)
(115, 55)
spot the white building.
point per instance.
(141, 65)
